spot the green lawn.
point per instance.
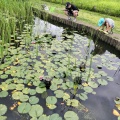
(85, 16)
(111, 7)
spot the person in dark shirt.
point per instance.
(71, 10)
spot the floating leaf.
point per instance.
(3, 94)
(12, 86)
(17, 95)
(53, 87)
(69, 84)
(66, 96)
(84, 84)
(117, 100)
(44, 117)
(59, 93)
(50, 106)
(3, 109)
(83, 96)
(24, 108)
(36, 111)
(116, 113)
(55, 117)
(33, 100)
(32, 91)
(74, 103)
(40, 90)
(110, 78)
(51, 100)
(93, 84)
(24, 98)
(19, 86)
(70, 115)
(102, 82)
(118, 106)
(88, 89)
(3, 118)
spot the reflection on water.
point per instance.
(41, 26)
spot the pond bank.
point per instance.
(112, 39)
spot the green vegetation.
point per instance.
(13, 14)
(87, 17)
(108, 7)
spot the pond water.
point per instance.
(57, 70)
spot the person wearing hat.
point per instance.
(71, 10)
(106, 22)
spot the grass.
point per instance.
(13, 14)
(85, 16)
(109, 7)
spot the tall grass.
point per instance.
(13, 13)
(110, 7)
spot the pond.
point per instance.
(55, 73)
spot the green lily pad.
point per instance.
(32, 91)
(53, 87)
(17, 95)
(102, 82)
(66, 96)
(51, 100)
(33, 100)
(3, 109)
(40, 90)
(55, 117)
(36, 111)
(3, 94)
(109, 78)
(24, 108)
(19, 86)
(59, 93)
(83, 96)
(44, 117)
(4, 76)
(88, 89)
(70, 115)
(12, 86)
(24, 98)
(25, 90)
(3, 118)
(69, 84)
(93, 84)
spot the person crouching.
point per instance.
(71, 10)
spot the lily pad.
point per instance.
(3, 118)
(17, 95)
(36, 111)
(3, 94)
(40, 90)
(33, 100)
(24, 108)
(51, 100)
(102, 82)
(83, 96)
(44, 117)
(93, 84)
(59, 93)
(3, 109)
(55, 117)
(24, 98)
(70, 115)
(88, 89)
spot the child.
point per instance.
(106, 22)
(71, 10)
